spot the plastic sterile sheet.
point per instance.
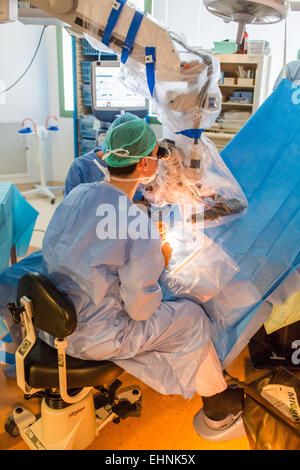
(183, 84)
(198, 268)
(184, 81)
(212, 189)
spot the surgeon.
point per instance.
(89, 167)
(292, 73)
(107, 256)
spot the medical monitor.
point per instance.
(110, 97)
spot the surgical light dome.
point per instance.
(248, 12)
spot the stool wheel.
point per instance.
(53, 201)
(11, 428)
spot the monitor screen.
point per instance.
(111, 93)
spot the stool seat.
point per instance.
(41, 369)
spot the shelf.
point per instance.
(241, 59)
(239, 105)
(237, 86)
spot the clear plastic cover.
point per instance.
(186, 97)
(199, 268)
(186, 89)
(209, 185)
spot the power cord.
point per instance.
(68, 31)
(19, 79)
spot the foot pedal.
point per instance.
(234, 431)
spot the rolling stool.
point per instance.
(71, 415)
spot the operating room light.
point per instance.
(248, 12)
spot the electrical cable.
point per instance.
(19, 79)
(68, 31)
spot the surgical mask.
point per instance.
(123, 153)
(143, 181)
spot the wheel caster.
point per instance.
(53, 201)
(11, 428)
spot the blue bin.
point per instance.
(86, 126)
(86, 71)
(87, 95)
(88, 49)
(87, 146)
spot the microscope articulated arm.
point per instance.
(91, 17)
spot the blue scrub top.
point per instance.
(85, 170)
(292, 73)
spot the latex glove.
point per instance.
(162, 228)
(167, 252)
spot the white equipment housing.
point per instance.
(30, 14)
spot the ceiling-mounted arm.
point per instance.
(91, 17)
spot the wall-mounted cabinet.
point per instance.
(244, 87)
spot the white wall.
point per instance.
(181, 16)
(62, 154)
(29, 98)
(36, 95)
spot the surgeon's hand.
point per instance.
(163, 229)
(167, 252)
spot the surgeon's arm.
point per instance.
(73, 178)
(139, 288)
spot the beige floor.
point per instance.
(166, 421)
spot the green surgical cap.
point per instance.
(136, 137)
(126, 117)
